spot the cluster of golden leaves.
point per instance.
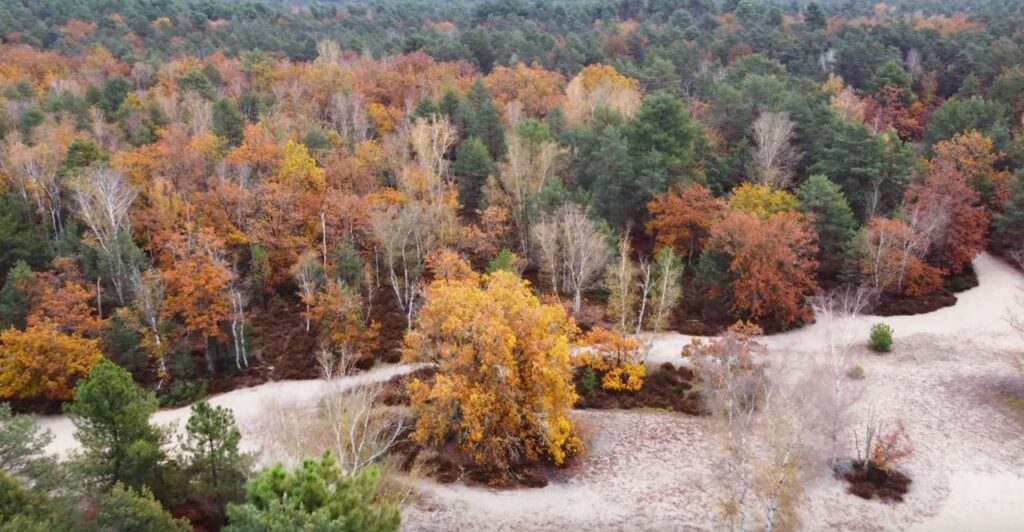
(613, 356)
(503, 388)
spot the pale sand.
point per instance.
(947, 379)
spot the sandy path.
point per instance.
(247, 404)
(980, 314)
(948, 380)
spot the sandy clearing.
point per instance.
(980, 314)
(635, 475)
(653, 471)
(247, 404)
(997, 495)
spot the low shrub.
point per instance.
(855, 373)
(880, 339)
(182, 393)
(614, 357)
(874, 475)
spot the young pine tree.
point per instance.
(119, 444)
(217, 469)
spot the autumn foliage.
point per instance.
(771, 261)
(682, 218)
(503, 390)
(614, 357)
(43, 363)
(974, 156)
(960, 237)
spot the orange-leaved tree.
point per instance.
(682, 218)
(503, 390)
(43, 363)
(957, 239)
(338, 312)
(975, 157)
(889, 252)
(197, 284)
(61, 298)
(771, 263)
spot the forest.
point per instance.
(508, 207)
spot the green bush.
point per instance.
(881, 338)
(183, 393)
(588, 381)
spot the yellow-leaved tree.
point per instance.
(503, 389)
(42, 362)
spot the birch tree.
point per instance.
(621, 283)
(530, 166)
(775, 155)
(308, 274)
(665, 289)
(361, 430)
(733, 387)
(104, 198)
(239, 302)
(149, 289)
(837, 311)
(430, 141)
(410, 222)
(33, 171)
(581, 252)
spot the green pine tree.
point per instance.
(833, 220)
(119, 444)
(228, 121)
(1008, 225)
(315, 496)
(472, 166)
(127, 510)
(483, 119)
(14, 299)
(216, 467)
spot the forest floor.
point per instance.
(950, 379)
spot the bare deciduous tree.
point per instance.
(765, 417)
(361, 429)
(239, 302)
(620, 281)
(104, 198)
(349, 116)
(198, 112)
(581, 252)
(149, 289)
(328, 52)
(404, 243)
(837, 311)
(789, 419)
(545, 234)
(665, 290)
(775, 155)
(430, 141)
(732, 387)
(32, 171)
(528, 168)
(309, 275)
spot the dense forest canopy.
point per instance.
(635, 36)
(200, 195)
